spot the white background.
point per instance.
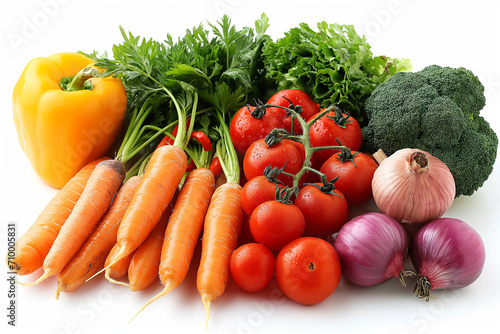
(448, 33)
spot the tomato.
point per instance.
(355, 176)
(259, 156)
(324, 212)
(332, 127)
(296, 97)
(308, 270)
(245, 128)
(256, 191)
(252, 267)
(274, 224)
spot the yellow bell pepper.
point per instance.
(64, 116)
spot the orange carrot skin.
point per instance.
(95, 200)
(91, 256)
(220, 237)
(185, 226)
(120, 268)
(155, 191)
(143, 269)
(183, 230)
(34, 245)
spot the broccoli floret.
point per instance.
(435, 110)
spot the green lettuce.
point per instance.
(333, 65)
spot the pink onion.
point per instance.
(413, 185)
(371, 248)
(447, 254)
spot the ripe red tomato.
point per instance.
(259, 156)
(308, 270)
(252, 267)
(332, 127)
(324, 213)
(245, 128)
(296, 97)
(257, 191)
(355, 176)
(274, 224)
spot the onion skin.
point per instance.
(447, 253)
(371, 248)
(403, 189)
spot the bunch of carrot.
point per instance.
(145, 226)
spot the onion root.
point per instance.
(406, 273)
(423, 288)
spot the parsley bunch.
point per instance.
(221, 65)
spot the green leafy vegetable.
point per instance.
(220, 66)
(333, 65)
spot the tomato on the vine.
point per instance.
(334, 126)
(250, 124)
(257, 191)
(355, 171)
(252, 267)
(295, 97)
(259, 155)
(308, 270)
(325, 210)
(274, 224)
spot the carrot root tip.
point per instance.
(168, 287)
(58, 291)
(45, 275)
(205, 299)
(113, 280)
(97, 273)
(120, 255)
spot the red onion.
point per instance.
(371, 248)
(447, 254)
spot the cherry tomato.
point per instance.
(296, 97)
(246, 128)
(274, 224)
(257, 191)
(324, 212)
(332, 127)
(259, 156)
(308, 270)
(355, 171)
(252, 267)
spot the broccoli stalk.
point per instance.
(435, 110)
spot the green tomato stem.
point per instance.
(304, 139)
(319, 148)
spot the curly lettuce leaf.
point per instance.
(334, 65)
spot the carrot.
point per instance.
(143, 269)
(95, 200)
(91, 256)
(118, 269)
(183, 230)
(223, 223)
(220, 237)
(157, 187)
(35, 243)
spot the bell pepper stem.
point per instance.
(78, 81)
